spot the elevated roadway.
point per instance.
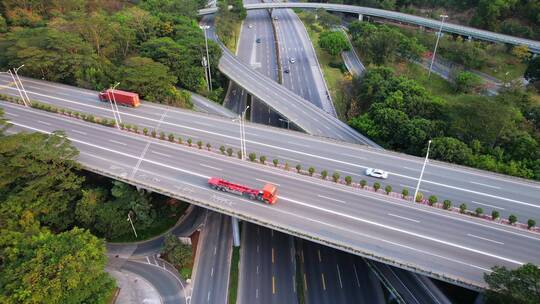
(533, 45)
(414, 237)
(459, 184)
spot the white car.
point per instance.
(250, 26)
(378, 173)
(292, 60)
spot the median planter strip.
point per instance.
(310, 172)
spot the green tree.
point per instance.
(199, 144)
(479, 211)
(513, 286)
(447, 204)
(86, 208)
(334, 42)
(298, 168)
(311, 170)
(229, 151)
(252, 156)
(376, 186)
(451, 150)
(222, 149)
(262, 159)
(324, 174)
(532, 73)
(467, 82)
(179, 254)
(495, 214)
(326, 19)
(3, 25)
(171, 137)
(38, 179)
(46, 268)
(335, 177)
(363, 183)
(432, 200)
(512, 219)
(388, 189)
(463, 208)
(419, 197)
(189, 141)
(348, 180)
(531, 223)
(276, 162)
(404, 192)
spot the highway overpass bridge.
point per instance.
(430, 241)
(466, 31)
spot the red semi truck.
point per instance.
(122, 97)
(267, 194)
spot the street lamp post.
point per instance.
(243, 122)
(436, 44)
(116, 119)
(205, 27)
(205, 64)
(422, 172)
(20, 82)
(285, 120)
(16, 85)
(131, 222)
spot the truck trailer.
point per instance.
(267, 194)
(121, 97)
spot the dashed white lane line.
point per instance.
(339, 276)
(45, 123)
(489, 186)
(347, 172)
(487, 205)
(117, 142)
(268, 182)
(160, 154)
(78, 132)
(287, 158)
(210, 167)
(297, 144)
(353, 156)
(485, 239)
(12, 114)
(332, 199)
(404, 218)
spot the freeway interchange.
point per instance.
(410, 236)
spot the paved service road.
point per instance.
(416, 237)
(459, 184)
(211, 273)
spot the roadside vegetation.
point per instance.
(180, 255)
(234, 274)
(153, 48)
(228, 22)
(512, 17)
(518, 286)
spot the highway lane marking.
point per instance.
(480, 184)
(45, 123)
(332, 199)
(305, 282)
(301, 145)
(323, 281)
(356, 275)
(487, 205)
(257, 293)
(273, 255)
(273, 284)
(339, 276)
(212, 272)
(404, 218)
(160, 154)
(284, 157)
(174, 168)
(395, 229)
(12, 114)
(410, 168)
(117, 142)
(485, 239)
(354, 156)
(78, 132)
(347, 172)
(268, 182)
(215, 250)
(210, 167)
(403, 284)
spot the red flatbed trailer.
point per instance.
(122, 97)
(267, 194)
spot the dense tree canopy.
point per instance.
(519, 286)
(96, 43)
(334, 42)
(59, 268)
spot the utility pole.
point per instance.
(205, 27)
(17, 85)
(436, 44)
(20, 82)
(244, 132)
(115, 104)
(204, 64)
(422, 172)
(112, 107)
(131, 222)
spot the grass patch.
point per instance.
(160, 226)
(186, 272)
(232, 42)
(233, 277)
(333, 76)
(436, 85)
(501, 63)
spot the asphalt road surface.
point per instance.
(415, 236)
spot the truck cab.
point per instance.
(268, 194)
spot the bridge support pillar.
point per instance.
(360, 17)
(235, 231)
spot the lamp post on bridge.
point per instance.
(436, 44)
(422, 172)
(207, 67)
(22, 87)
(10, 73)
